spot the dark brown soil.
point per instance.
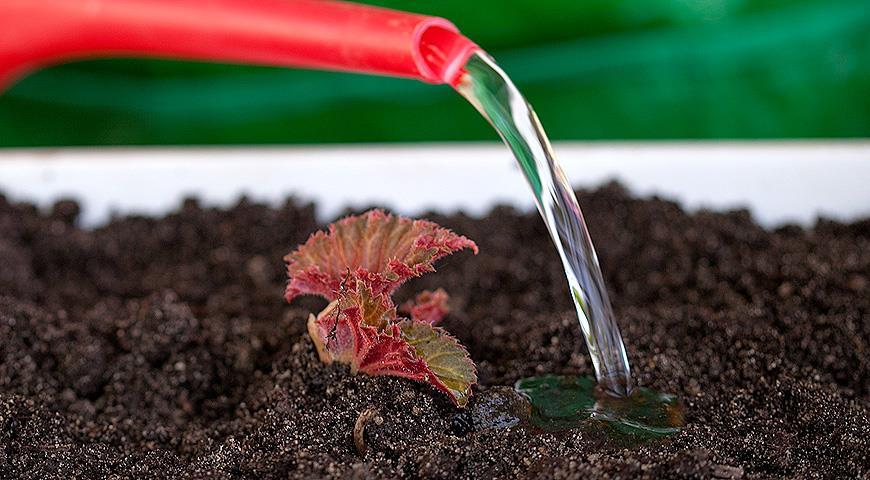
(159, 348)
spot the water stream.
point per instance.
(493, 94)
(569, 402)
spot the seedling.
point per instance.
(357, 266)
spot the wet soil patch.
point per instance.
(162, 348)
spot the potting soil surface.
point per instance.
(162, 348)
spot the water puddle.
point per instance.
(568, 402)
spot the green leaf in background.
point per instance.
(639, 69)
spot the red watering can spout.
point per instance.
(318, 34)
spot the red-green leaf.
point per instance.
(409, 349)
(385, 248)
(358, 264)
(340, 336)
(444, 356)
(348, 327)
(428, 306)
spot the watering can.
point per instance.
(320, 34)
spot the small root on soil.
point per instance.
(369, 414)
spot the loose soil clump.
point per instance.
(161, 348)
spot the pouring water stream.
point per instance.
(492, 93)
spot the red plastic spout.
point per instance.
(317, 34)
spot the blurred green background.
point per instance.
(593, 69)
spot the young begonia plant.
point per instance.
(357, 266)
